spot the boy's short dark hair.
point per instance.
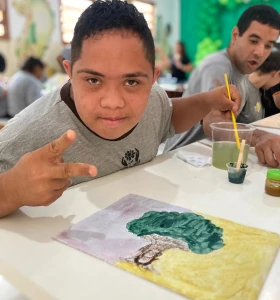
(272, 63)
(31, 63)
(262, 13)
(105, 15)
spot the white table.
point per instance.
(269, 122)
(41, 264)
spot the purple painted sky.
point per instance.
(104, 234)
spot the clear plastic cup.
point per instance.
(224, 148)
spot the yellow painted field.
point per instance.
(236, 271)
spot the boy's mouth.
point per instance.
(113, 122)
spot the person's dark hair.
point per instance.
(261, 13)
(31, 63)
(183, 50)
(107, 15)
(272, 63)
(2, 63)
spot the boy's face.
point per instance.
(111, 83)
(252, 48)
(38, 72)
(271, 79)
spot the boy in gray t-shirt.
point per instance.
(110, 115)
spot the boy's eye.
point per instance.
(254, 41)
(131, 82)
(93, 81)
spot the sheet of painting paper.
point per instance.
(198, 256)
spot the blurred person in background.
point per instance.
(64, 55)
(162, 60)
(180, 63)
(266, 78)
(252, 41)
(25, 86)
(271, 100)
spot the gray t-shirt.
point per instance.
(209, 75)
(49, 117)
(23, 89)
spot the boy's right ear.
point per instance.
(67, 67)
(234, 33)
(156, 74)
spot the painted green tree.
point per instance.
(173, 230)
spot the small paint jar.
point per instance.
(235, 175)
(272, 183)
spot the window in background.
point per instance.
(148, 10)
(70, 10)
(4, 31)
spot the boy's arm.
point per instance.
(275, 91)
(7, 202)
(213, 117)
(188, 111)
(276, 98)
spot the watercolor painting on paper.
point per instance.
(198, 256)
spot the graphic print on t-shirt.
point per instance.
(258, 107)
(131, 158)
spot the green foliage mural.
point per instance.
(209, 23)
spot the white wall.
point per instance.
(168, 9)
(17, 24)
(170, 12)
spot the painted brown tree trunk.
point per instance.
(147, 254)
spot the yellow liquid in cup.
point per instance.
(224, 152)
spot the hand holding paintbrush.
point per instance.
(232, 115)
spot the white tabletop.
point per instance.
(269, 122)
(61, 272)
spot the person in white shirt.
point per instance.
(25, 86)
